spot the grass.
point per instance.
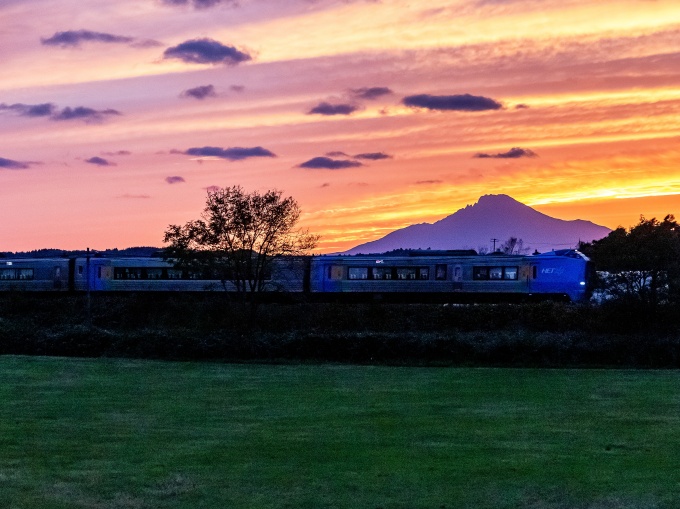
(139, 434)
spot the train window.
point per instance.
(480, 273)
(80, 269)
(155, 273)
(99, 272)
(440, 272)
(24, 274)
(14, 274)
(406, 273)
(381, 273)
(496, 273)
(6, 274)
(534, 270)
(423, 273)
(174, 274)
(357, 273)
(335, 272)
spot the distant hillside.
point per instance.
(493, 217)
(143, 251)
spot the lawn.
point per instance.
(78, 433)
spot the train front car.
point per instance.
(452, 276)
(560, 273)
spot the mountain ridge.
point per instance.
(493, 216)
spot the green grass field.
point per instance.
(140, 434)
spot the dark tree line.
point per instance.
(641, 263)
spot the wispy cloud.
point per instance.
(370, 93)
(29, 110)
(51, 111)
(74, 38)
(117, 153)
(206, 51)
(200, 4)
(199, 92)
(326, 163)
(134, 196)
(9, 164)
(373, 156)
(176, 179)
(232, 153)
(83, 113)
(326, 108)
(464, 102)
(513, 153)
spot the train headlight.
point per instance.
(582, 283)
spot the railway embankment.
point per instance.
(213, 328)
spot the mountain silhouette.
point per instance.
(494, 216)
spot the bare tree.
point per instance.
(237, 238)
(513, 246)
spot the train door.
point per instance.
(527, 274)
(458, 273)
(57, 278)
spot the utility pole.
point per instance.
(494, 244)
(88, 302)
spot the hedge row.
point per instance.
(213, 328)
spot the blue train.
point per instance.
(417, 275)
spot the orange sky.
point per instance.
(101, 104)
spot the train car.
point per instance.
(461, 275)
(466, 276)
(35, 274)
(129, 274)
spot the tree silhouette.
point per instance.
(642, 262)
(237, 238)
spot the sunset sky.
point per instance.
(117, 116)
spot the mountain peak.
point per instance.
(493, 216)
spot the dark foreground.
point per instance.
(210, 327)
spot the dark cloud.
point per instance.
(464, 102)
(337, 154)
(75, 37)
(326, 163)
(373, 156)
(176, 179)
(200, 92)
(9, 164)
(325, 184)
(237, 88)
(212, 189)
(30, 110)
(99, 161)
(81, 112)
(117, 153)
(513, 153)
(325, 108)
(522, 106)
(370, 93)
(206, 51)
(232, 153)
(426, 182)
(200, 4)
(50, 110)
